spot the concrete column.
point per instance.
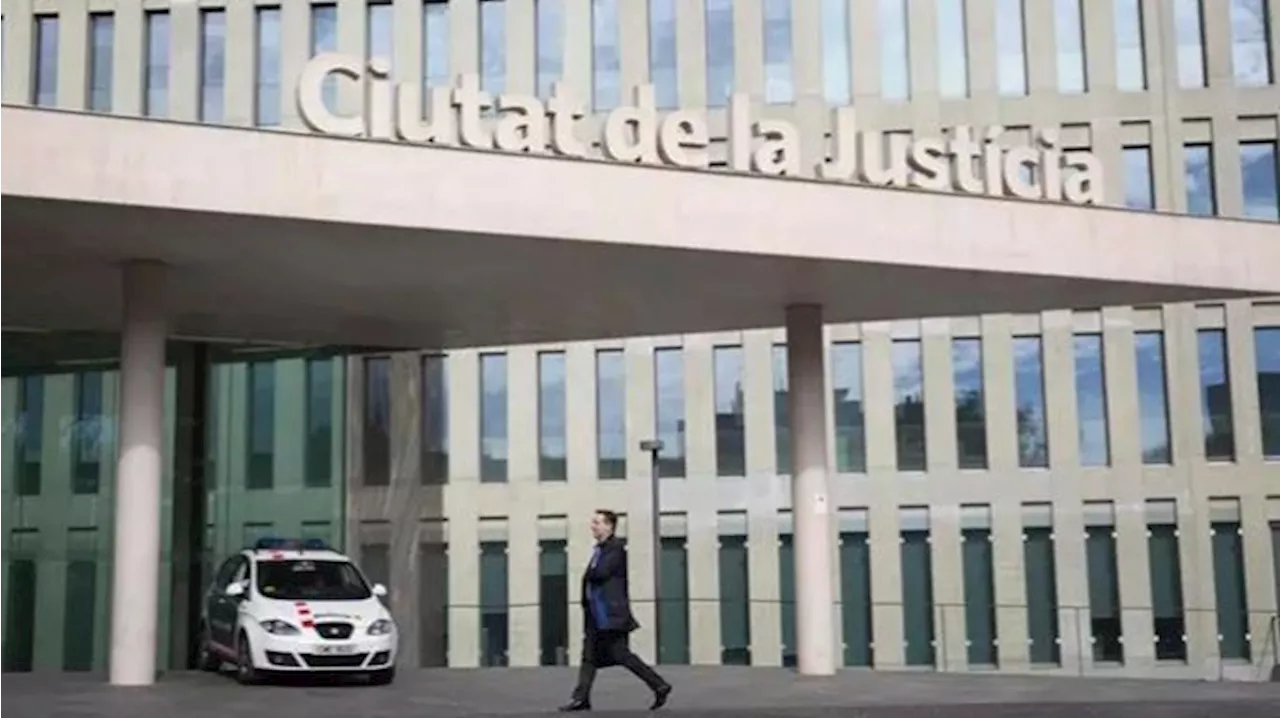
(815, 617)
(134, 597)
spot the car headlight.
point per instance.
(380, 627)
(277, 627)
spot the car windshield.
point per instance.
(310, 580)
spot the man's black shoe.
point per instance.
(575, 705)
(660, 697)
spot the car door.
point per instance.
(223, 609)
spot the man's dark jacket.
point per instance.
(608, 576)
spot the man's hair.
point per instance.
(609, 517)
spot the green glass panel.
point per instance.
(735, 614)
(494, 629)
(855, 598)
(1228, 585)
(673, 614)
(553, 602)
(1042, 595)
(787, 596)
(433, 605)
(1104, 595)
(1166, 593)
(20, 609)
(917, 598)
(979, 598)
(81, 598)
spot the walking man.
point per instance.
(607, 619)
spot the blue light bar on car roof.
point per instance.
(284, 544)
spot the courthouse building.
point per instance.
(1026, 469)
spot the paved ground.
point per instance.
(700, 693)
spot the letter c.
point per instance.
(311, 105)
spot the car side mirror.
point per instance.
(379, 590)
(234, 590)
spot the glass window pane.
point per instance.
(549, 39)
(1188, 25)
(1201, 196)
(494, 619)
(1033, 434)
(101, 52)
(1069, 37)
(1215, 396)
(971, 413)
(493, 46)
(917, 598)
(493, 417)
(836, 60)
(908, 405)
(553, 602)
(1131, 67)
(46, 80)
(552, 435)
(731, 446)
(846, 390)
(1251, 42)
(268, 83)
(1153, 406)
(781, 411)
(319, 438)
(1137, 178)
(213, 64)
(662, 53)
(606, 57)
(88, 434)
(895, 61)
(435, 37)
(324, 38)
(1258, 171)
(435, 420)
(778, 81)
(735, 602)
(376, 439)
(668, 367)
(30, 436)
(1091, 401)
(611, 414)
(1042, 595)
(1266, 345)
(259, 471)
(673, 614)
(953, 62)
(158, 41)
(380, 39)
(719, 19)
(1104, 594)
(1011, 47)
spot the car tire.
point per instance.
(246, 674)
(207, 660)
(383, 677)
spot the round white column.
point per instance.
(810, 504)
(136, 569)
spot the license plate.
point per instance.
(324, 649)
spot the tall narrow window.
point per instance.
(1188, 26)
(895, 58)
(662, 53)
(953, 52)
(259, 469)
(669, 415)
(81, 597)
(1011, 47)
(673, 602)
(493, 417)
(611, 414)
(552, 439)
(719, 52)
(779, 86)
(606, 55)
(435, 49)
(213, 64)
(1266, 347)
(781, 411)
(549, 39)
(1091, 401)
(735, 602)
(855, 590)
(433, 595)
(1215, 396)
(158, 53)
(20, 614)
(1033, 430)
(1137, 178)
(1069, 37)
(435, 420)
(324, 38)
(1153, 403)
(1041, 584)
(87, 436)
(1131, 64)
(846, 399)
(1251, 42)
(1258, 170)
(379, 33)
(319, 456)
(1104, 583)
(1165, 566)
(30, 439)
(908, 405)
(45, 87)
(553, 602)
(787, 596)
(376, 439)
(494, 621)
(1198, 171)
(1229, 589)
(971, 412)
(731, 445)
(493, 46)
(979, 586)
(101, 47)
(837, 70)
(917, 587)
(267, 105)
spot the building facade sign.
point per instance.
(965, 161)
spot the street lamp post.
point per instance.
(653, 447)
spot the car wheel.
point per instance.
(383, 677)
(207, 660)
(246, 674)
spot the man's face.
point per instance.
(600, 529)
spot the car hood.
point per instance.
(361, 613)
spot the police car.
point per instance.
(287, 606)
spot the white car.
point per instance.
(294, 607)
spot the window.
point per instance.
(1215, 395)
(731, 445)
(552, 462)
(319, 457)
(213, 64)
(88, 434)
(267, 90)
(550, 43)
(611, 414)
(1011, 46)
(1041, 584)
(435, 420)
(719, 52)
(1251, 42)
(971, 413)
(1104, 586)
(1069, 37)
(101, 41)
(1033, 434)
(158, 52)
(662, 53)
(1137, 178)
(324, 38)
(493, 46)
(668, 368)
(261, 423)
(1266, 346)
(1188, 16)
(953, 71)
(435, 49)
(1131, 66)
(30, 437)
(553, 602)
(837, 82)
(855, 592)
(46, 77)
(493, 417)
(1153, 404)
(735, 608)
(1091, 401)
(433, 595)
(846, 390)
(979, 591)
(787, 595)
(606, 57)
(1258, 178)
(917, 590)
(895, 61)
(778, 82)
(79, 612)
(781, 411)
(379, 33)
(376, 441)
(1164, 563)
(1229, 588)
(493, 602)
(673, 603)
(908, 405)
(1198, 162)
